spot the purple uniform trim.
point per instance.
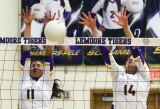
(50, 60)
(67, 15)
(105, 54)
(93, 15)
(25, 54)
(137, 52)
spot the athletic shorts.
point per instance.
(113, 33)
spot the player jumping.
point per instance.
(131, 83)
(38, 85)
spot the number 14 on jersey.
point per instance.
(130, 91)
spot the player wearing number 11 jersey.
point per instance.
(38, 85)
(37, 81)
(131, 84)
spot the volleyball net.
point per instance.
(87, 85)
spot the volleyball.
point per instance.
(55, 31)
(39, 10)
(134, 6)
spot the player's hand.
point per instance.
(48, 17)
(26, 16)
(122, 19)
(88, 20)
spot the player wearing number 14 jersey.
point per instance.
(131, 84)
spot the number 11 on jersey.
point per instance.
(30, 94)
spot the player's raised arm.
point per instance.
(27, 18)
(25, 56)
(110, 62)
(143, 68)
(25, 64)
(108, 57)
(49, 57)
(49, 72)
(91, 23)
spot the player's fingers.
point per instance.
(81, 23)
(121, 11)
(116, 15)
(27, 11)
(124, 12)
(128, 15)
(50, 14)
(54, 16)
(81, 18)
(45, 16)
(23, 12)
(89, 15)
(86, 17)
(30, 10)
(95, 18)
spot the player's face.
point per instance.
(131, 66)
(36, 69)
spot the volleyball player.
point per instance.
(131, 83)
(108, 27)
(38, 85)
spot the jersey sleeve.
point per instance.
(67, 6)
(67, 10)
(25, 64)
(25, 55)
(49, 59)
(110, 62)
(143, 68)
(49, 64)
(98, 6)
